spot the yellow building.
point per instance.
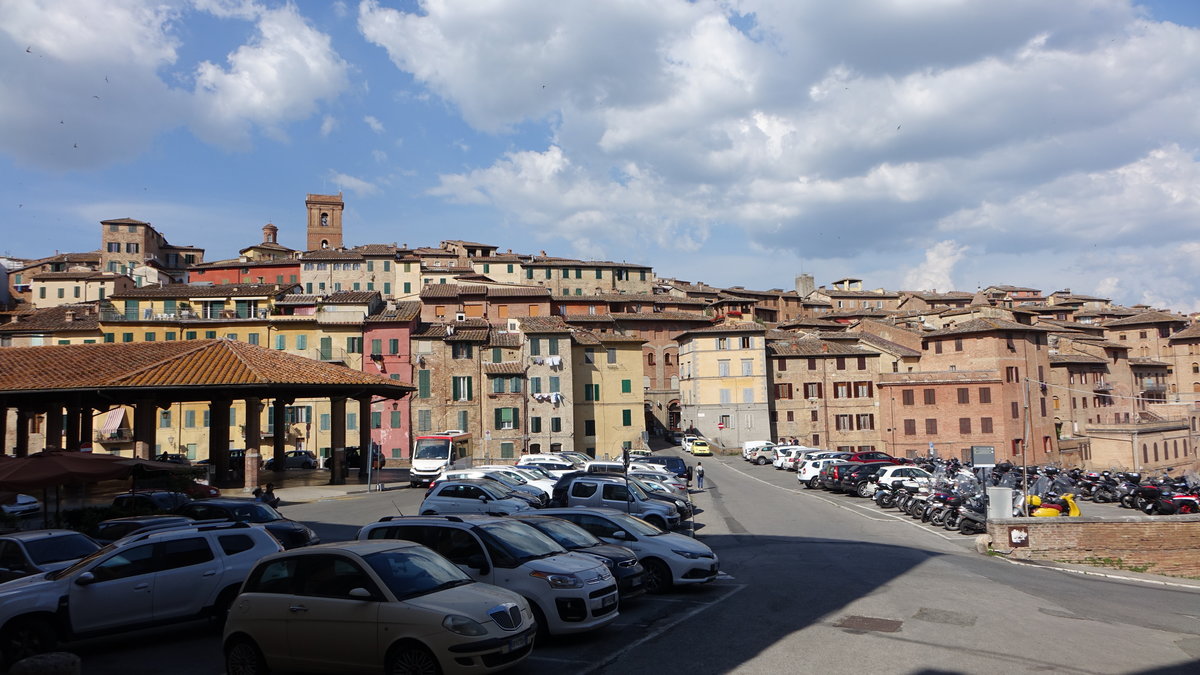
(607, 393)
(723, 383)
(51, 289)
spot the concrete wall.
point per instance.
(1153, 544)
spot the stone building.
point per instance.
(324, 221)
(723, 383)
(550, 371)
(127, 244)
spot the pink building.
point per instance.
(386, 343)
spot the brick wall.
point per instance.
(1153, 544)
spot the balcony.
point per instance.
(114, 436)
(1102, 387)
(113, 316)
(1154, 388)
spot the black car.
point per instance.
(108, 531)
(675, 465)
(293, 459)
(832, 473)
(289, 532)
(620, 560)
(850, 481)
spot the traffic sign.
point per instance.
(720, 425)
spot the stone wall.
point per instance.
(1165, 545)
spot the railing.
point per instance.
(116, 436)
(1102, 386)
(1154, 388)
(113, 316)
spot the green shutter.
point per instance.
(553, 346)
(422, 384)
(627, 418)
(516, 418)
(499, 418)
(376, 346)
(516, 385)
(497, 355)
(377, 419)
(535, 346)
(456, 388)
(626, 386)
(470, 395)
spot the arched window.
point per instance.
(1156, 452)
(324, 220)
(1145, 454)
(1056, 403)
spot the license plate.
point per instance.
(517, 643)
(608, 601)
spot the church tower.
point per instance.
(324, 221)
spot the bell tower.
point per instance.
(324, 221)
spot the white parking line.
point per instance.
(861, 511)
(662, 629)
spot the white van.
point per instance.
(751, 447)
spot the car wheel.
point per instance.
(864, 490)
(243, 657)
(760, 461)
(814, 483)
(411, 658)
(539, 618)
(658, 576)
(26, 638)
(658, 522)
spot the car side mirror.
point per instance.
(478, 562)
(360, 594)
(483, 498)
(85, 579)
(622, 535)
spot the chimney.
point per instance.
(824, 347)
(69, 316)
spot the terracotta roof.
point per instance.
(154, 365)
(1148, 363)
(644, 298)
(499, 258)
(862, 311)
(77, 274)
(872, 340)
(543, 324)
(430, 251)
(1004, 287)
(729, 297)
(504, 368)
(236, 262)
(55, 319)
(774, 292)
(1190, 333)
(298, 299)
(504, 339)
(376, 249)
(1098, 341)
(1065, 359)
(517, 291)
(404, 311)
(448, 269)
(330, 254)
(1145, 318)
(570, 262)
(124, 221)
(618, 337)
(350, 297)
(948, 295)
(813, 346)
(429, 330)
(587, 318)
(466, 334)
(450, 290)
(839, 293)
(205, 290)
(1072, 325)
(468, 243)
(661, 316)
(985, 326)
(808, 322)
(725, 329)
(585, 337)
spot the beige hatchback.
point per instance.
(379, 606)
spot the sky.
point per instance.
(914, 144)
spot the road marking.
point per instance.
(662, 629)
(1089, 573)
(537, 657)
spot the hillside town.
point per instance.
(529, 353)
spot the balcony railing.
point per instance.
(115, 436)
(1154, 388)
(1102, 386)
(113, 316)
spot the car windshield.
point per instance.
(519, 541)
(633, 525)
(253, 512)
(537, 472)
(432, 448)
(497, 491)
(58, 549)
(568, 535)
(415, 571)
(82, 563)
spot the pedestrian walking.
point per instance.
(699, 475)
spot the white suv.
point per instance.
(568, 592)
(373, 606)
(148, 579)
(809, 473)
(669, 558)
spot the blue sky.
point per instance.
(933, 144)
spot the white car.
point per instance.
(750, 450)
(687, 442)
(893, 473)
(512, 481)
(555, 465)
(669, 558)
(22, 505)
(469, 496)
(675, 484)
(373, 606)
(809, 473)
(786, 456)
(541, 479)
(568, 592)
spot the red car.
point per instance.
(872, 457)
(201, 491)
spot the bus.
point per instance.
(433, 453)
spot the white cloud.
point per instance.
(936, 271)
(374, 123)
(379, 156)
(328, 124)
(358, 186)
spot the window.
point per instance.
(985, 394)
(626, 386)
(910, 427)
(376, 347)
(508, 418)
(591, 392)
(461, 350)
(958, 344)
(280, 342)
(727, 420)
(747, 367)
(723, 368)
(626, 418)
(985, 425)
(1012, 374)
(866, 421)
(862, 363)
(726, 397)
(555, 424)
(589, 427)
(863, 389)
(964, 395)
(461, 388)
(535, 425)
(841, 390)
(841, 363)
(930, 396)
(931, 427)
(498, 385)
(747, 395)
(554, 386)
(937, 347)
(812, 390)
(747, 342)
(1043, 405)
(164, 419)
(393, 346)
(301, 342)
(843, 422)
(812, 364)
(1016, 409)
(423, 383)
(783, 390)
(722, 343)
(589, 355)
(964, 425)
(906, 396)
(424, 420)
(612, 355)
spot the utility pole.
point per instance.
(1025, 448)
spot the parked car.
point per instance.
(873, 456)
(472, 495)
(809, 473)
(688, 439)
(373, 606)
(676, 437)
(554, 465)
(759, 454)
(21, 505)
(833, 472)
(39, 551)
(150, 501)
(237, 461)
(150, 579)
(293, 459)
(891, 473)
(597, 490)
(786, 456)
(108, 531)
(700, 448)
(620, 559)
(567, 592)
(749, 447)
(671, 463)
(860, 479)
(677, 487)
(290, 533)
(540, 480)
(174, 458)
(669, 558)
(514, 483)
